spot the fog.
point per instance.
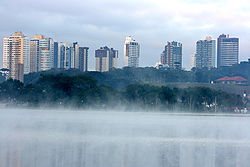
(61, 138)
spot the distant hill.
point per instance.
(120, 78)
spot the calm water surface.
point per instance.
(54, 138)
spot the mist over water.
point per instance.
(49, 138)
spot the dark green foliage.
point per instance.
(167, 95)
(64, 89)
(120, 78)
(83, 91)
(2, 78)
(142, 95)
(11, 90)
(205, 75)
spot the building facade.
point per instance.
(205, 53)
(41, 53)
(131, 52)
(227, 51)
(83, 58)
(23, 55)
(72, 56)
(192, 61)
(15, 49)
(34, 53)
(74, 61)
(172, 55)
(106, 59)
(64, 55)
(55, 55)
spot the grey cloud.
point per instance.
(96, 23)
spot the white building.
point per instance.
(15, 50)
(72, 56)
(131, 52)
(41, 53)
(205, 53)
(192, 61)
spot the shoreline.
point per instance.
(123, 110)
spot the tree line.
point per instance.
(121, 78)
(83, 91)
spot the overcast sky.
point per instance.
(96, 23)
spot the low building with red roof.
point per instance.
(232, 80)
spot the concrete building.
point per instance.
(72, 56)
(74, 61)
(79, 57)
(26, 58)
(55, 55)
(15, 49)
(205, 53)
(192, 61)
(227, 51)
(172, 55)
(34, 54)
(83, 58)
(64, 55)
(106, 59)
(41, 53)
(131, 52)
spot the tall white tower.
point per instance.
(15, 50)
(131, 52)
(205, 53)
(41, 53)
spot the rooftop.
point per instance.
(232, 79)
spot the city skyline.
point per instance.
(186, 65)
(49, 55)
(24, 55)
(77, 21)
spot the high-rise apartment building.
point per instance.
(131, 52)
(55, 55)
(64, 55)
(41, 53)
(26, 58)
(172, 55)
(79, 57)
(227, 51)
(83, 58)
(192, 61)
(106, 59)
(34, 54)
(205, 53)
(72, 56)
(74, 62)
(22, 55)
(15, 49)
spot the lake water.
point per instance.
(50, 138)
